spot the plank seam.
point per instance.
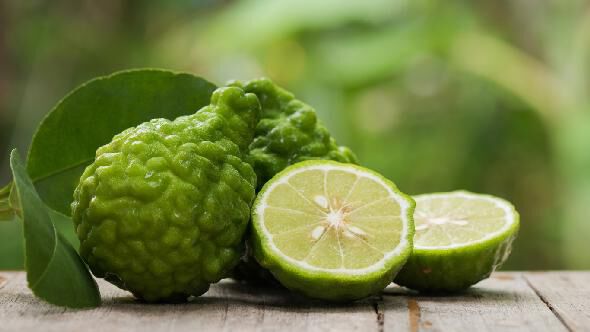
(380, 315)
(548, 304)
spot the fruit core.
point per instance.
(424, 222)
(334, 217)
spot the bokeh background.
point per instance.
(490, 96)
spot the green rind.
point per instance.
(456, 269)
(320, 284)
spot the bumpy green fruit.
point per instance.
(288, 132)
(163, 209)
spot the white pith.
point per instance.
(510, 218)
(335, 218)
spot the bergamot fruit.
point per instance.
(332, 231)
(461, 238)
(288, 132)
(163, 209)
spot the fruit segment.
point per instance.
(458, 219)
(340, 220)
(333, 219)
(461, 238)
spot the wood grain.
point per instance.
(504, 302)
(567, 294)
(556, 301)
(228, 306)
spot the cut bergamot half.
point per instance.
(332, 231)
(461, 238)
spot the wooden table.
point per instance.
(514, 301)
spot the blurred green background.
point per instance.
(490, 96)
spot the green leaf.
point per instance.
(55, 272)
(67, 139)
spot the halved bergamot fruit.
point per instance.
(461, 238)
(332, 231)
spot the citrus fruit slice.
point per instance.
(332, 231)
(461, 238)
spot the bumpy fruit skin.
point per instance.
(163, 209)
(454, 270)
(288, 132)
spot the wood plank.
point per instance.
(278, 309)
(228, 306)
(393, 311)
(567, 294)
(503, 302)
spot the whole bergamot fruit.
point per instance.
(163, 209)
(288, 132)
